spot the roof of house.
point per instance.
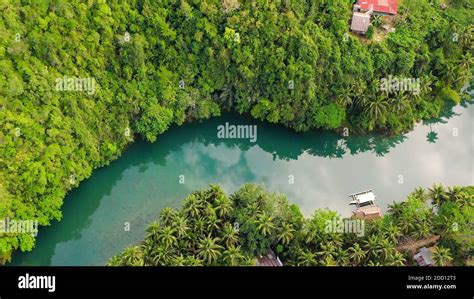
(269, 260)
(360, 22)
(424, 257)
(383, 6)
(372, 212)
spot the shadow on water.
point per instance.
(446, 114)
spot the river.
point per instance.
(315, 170)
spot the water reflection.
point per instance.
(326, 167)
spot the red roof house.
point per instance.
(389, 7)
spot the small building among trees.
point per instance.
(364, 9)
(270, 259)
(424, 257)
(360, 22)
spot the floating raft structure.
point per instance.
(365, 205)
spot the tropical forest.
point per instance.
(221, 132)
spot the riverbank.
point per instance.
(146, 178)
(148, 66)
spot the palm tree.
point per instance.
(372, 263)
(208, 250)
(443, 224)
(426, 84)
(420, 194)
(192, 206)
(310, 232)
(264, 224)
(377, 21)
(386, 249)
(406, 224)
(179, 260)
(153, 231)
(356, 254)
(181, 226)
(223, 206)
(147, 248)
(398, 104)
(209, 210)
(371, 246)
(329, 261)
(167, 237)
(437, 194)
(200, 225)
(232, 256)
(342, 257)
(358, 89)
(450, 73)
(161, 256)
(423, 230)
(377, 109)
(193, 261)
(362, 101)
(228, 96)
(467, 36)
(441, 256)
(212, 221)
(397, 259)
(455, 194)
(133, 256)
(465, 199)
(115, 261)
(306, 258)
(392, 232)
(464, 67)
(167, 216)
(328, 249)
(396, 209)
(345, 98)
(413, 96)
(286, 233)
(230, 235)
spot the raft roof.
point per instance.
(362, 197)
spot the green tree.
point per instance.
(356, 254)
(208, 250)
(167, 237)
(132, 256)
(441, 256)
(265, 224)
(286, 233)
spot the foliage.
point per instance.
(213, 229)
(159, 63)
(370, 32)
